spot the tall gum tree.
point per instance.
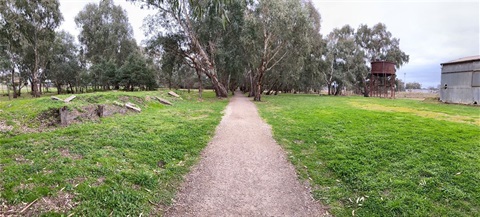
(106, 36)
(311, 77)
(340, 49)
(179, 17)
(272, 28)
(64, 65)
(32, 24)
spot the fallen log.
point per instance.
(55, 98)
(133, 107)
(118, 103)
(171, 93)
(70, 98)
(163, 101)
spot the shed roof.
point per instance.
(462, 60)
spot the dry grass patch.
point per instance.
(426, 114)
(64, 152)
(4, 127)
(63, 202)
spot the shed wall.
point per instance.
(462, 83)
(461, 67)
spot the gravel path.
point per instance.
(243, 172)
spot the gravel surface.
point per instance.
(243, 172)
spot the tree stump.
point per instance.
(63, 116)
(100, 110)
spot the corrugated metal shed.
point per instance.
(461, 81)
(462, 60)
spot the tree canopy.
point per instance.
(29, 29)
(261, 47)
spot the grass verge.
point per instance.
(381, 157)
(120, 165)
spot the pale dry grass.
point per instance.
(63, 202)
(416, 95)
(421, 113)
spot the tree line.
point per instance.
(261, 47)
(107, 56)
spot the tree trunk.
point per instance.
(200, 83)
(19, 90)
(329, 89)
(13, 85)
(274, 85)
(58, 87)
(276, 92)
(258, 80)
(228, 83)
(258, 92)
(220, 90)
(71, 87)
(35, 79)
(365, 88)
(8, 92)
(253, 83)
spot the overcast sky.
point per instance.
(431, 32)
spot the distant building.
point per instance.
(460, 82)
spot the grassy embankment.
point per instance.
(382, 157)
(119, 165)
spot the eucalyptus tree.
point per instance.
(170, 62)
(350, 59)
(106, 37)
(345, 59)
(64, 65)
(30, 27)
(228, 52)
(183, 18)
(275, 31)
(378, 44)
(336, 41)
(167, 54)
(310, 77)
(136, 73)
(7, 56)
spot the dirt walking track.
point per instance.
(243, 172)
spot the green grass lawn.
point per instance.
(26, 94)
(116, 166)
(382, 157)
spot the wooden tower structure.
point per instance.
(382, 79)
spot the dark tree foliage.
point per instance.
(136, 73)
(63, 69)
